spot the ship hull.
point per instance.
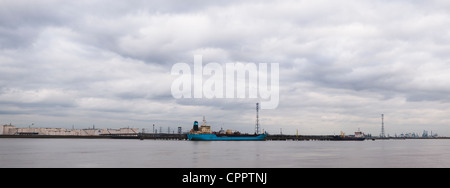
(214, 137)
(339, 138)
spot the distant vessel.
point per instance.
(359, 136)
(203, 133)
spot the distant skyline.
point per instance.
(341, 63)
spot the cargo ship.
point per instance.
(359, 136)
(204, 133)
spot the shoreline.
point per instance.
(184, 137)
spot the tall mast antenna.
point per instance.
(382, 126)
(257, 119)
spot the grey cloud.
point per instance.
(336, 58)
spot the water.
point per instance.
(155, 153)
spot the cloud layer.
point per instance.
(342, 63)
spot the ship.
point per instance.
(359, 136)
(204, 133)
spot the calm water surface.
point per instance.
(154, 153)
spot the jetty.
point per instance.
(301, 137)
(162, 136)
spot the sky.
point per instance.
(342, 63)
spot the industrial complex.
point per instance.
(13, 130)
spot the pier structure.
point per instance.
(163, 136)
(282, 137)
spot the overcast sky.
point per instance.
(342, 63)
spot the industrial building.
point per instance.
(13, 130)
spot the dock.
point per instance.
(300, 137)
(151, 136)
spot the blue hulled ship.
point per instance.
(203, 133)
(217, 137)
